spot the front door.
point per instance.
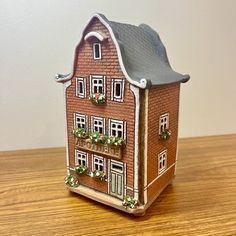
(117, 179)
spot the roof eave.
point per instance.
(186, 78)
(60, 78)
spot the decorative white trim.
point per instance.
(118, 172)
(125, 128)
(120, 163)
(87, 123)
(143, 81)
(147, 186)
(129, 188)
(136, 138)
(83, 80)
(176, 158)
(108, 175)
(109, 126)
(125, 179)
(112, 90)
(132, 189)
(177, 141)
(99, 51)
(70, 168)
(65, 86)
(146, 144)
(95, 34)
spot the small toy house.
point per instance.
(122, 105)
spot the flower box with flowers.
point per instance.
(98, 138)
(115, 141)
(97, 98)
(165, 135)
(100, 175)
(81, 169)
(97, 147)
(102, 144)
(80, 133)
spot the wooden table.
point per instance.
(201, 201)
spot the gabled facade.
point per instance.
(122, 103)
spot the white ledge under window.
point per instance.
(95, 34)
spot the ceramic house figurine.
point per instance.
(122, 105)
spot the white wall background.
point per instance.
(37, 39)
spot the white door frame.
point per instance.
(117, 178)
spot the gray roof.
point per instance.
(143, 54)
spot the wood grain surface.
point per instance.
(201, 200)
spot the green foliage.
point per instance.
(130, 202)
(98, 138)
(165, 135)
(72, 181)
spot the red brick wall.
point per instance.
(162, 99)
(108, 66)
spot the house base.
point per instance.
(114, 202)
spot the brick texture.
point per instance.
(162, 99)
(109, 67)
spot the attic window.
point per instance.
(97, 52)
(117, 90)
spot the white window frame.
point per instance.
(81, 116)
(117, 122)
(114, 82)
(162, 162)
(94, 51)
(96, 160)
(117, 163)
(83, 82)
(83, 157)
(99, 78)
(98, 119)
(163, 122)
